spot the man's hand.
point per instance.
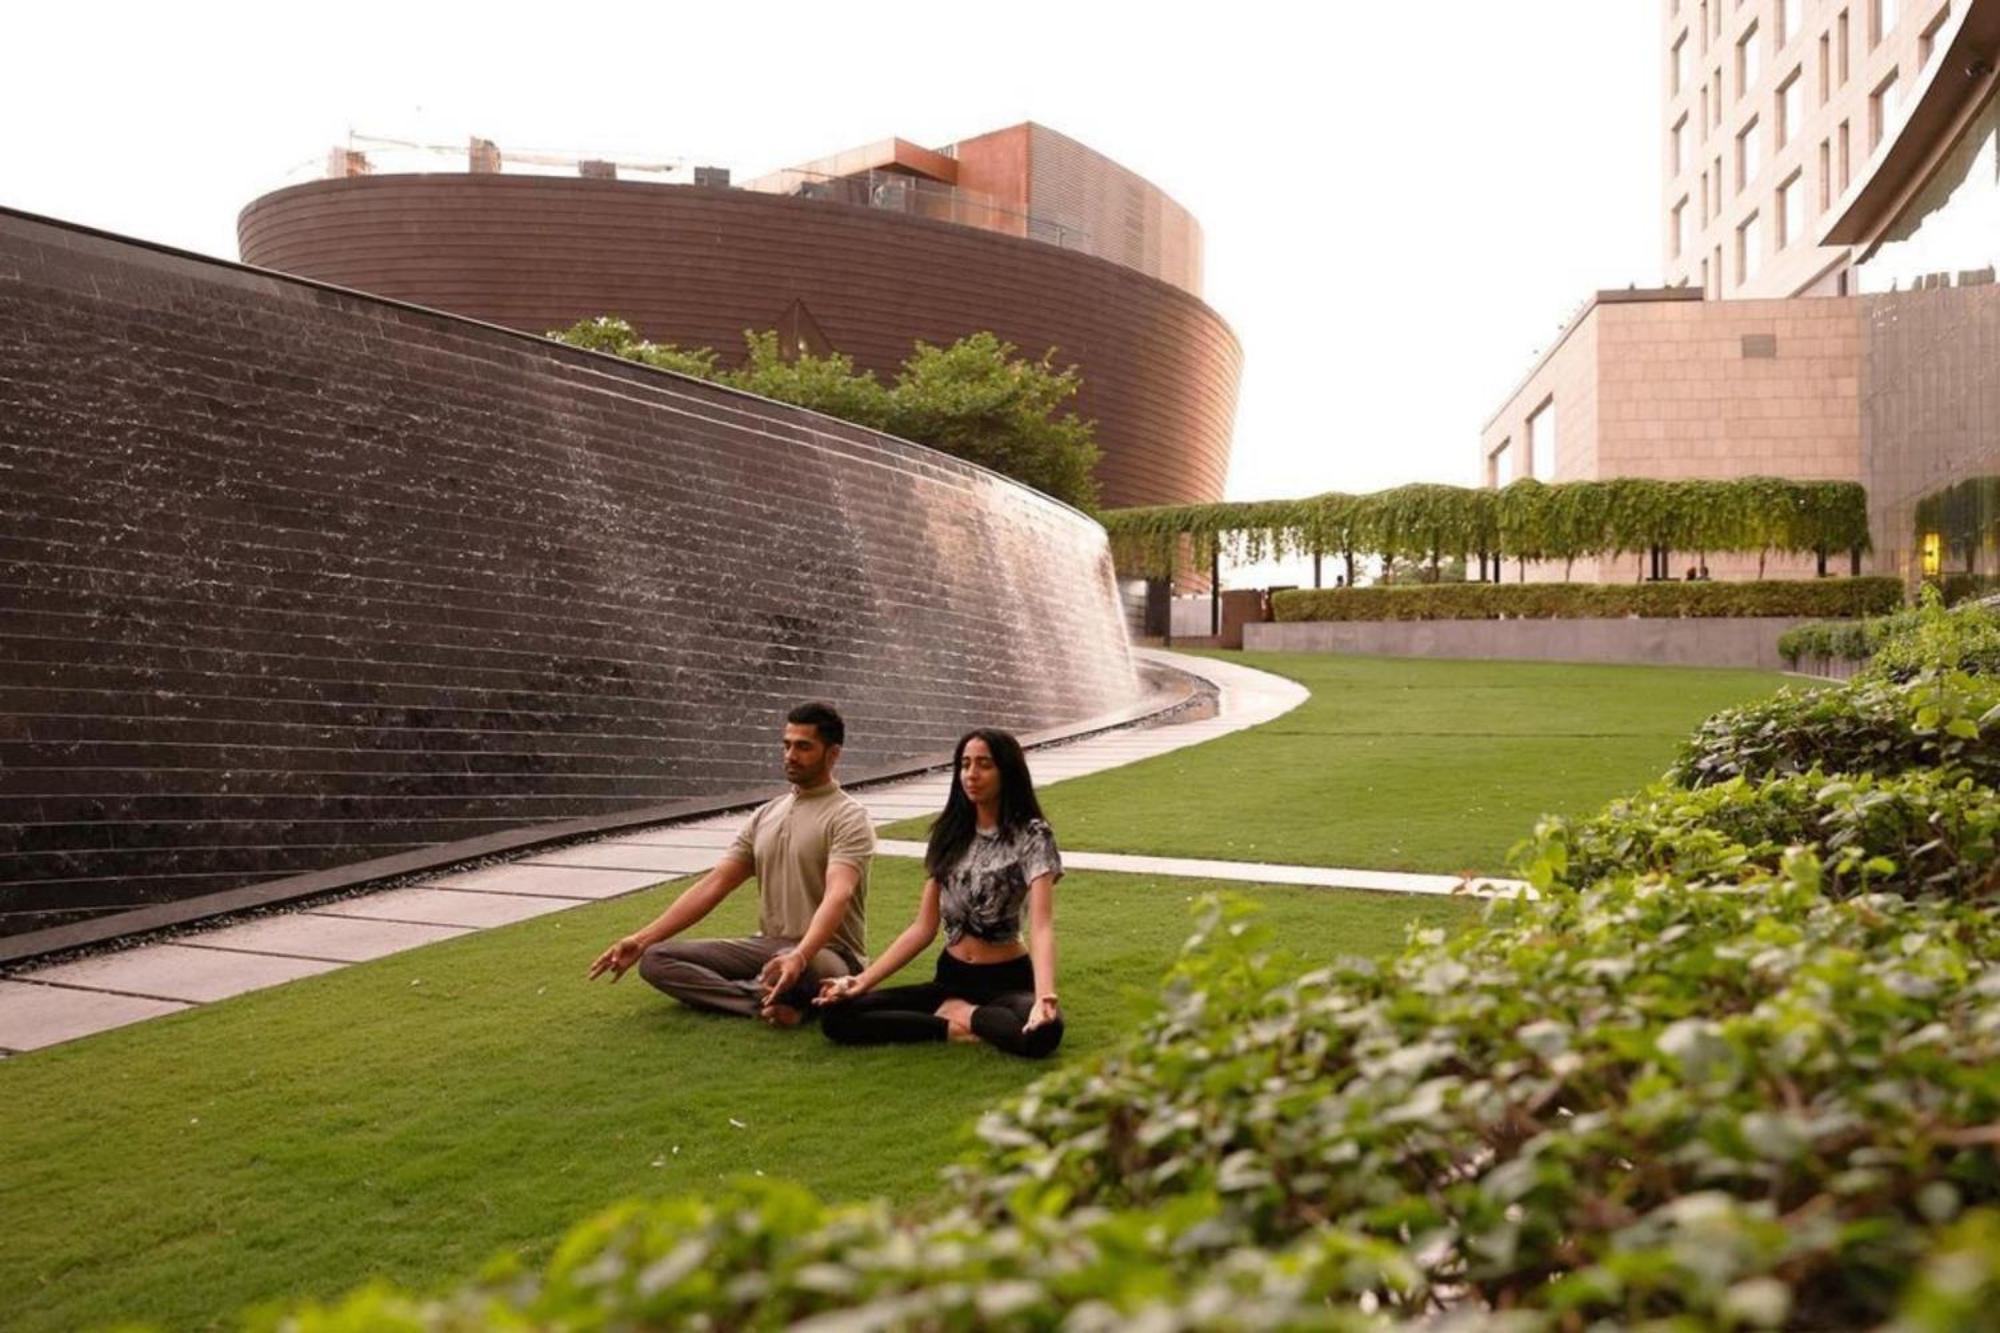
(781, 973)
(834, 990)
(1045, 1011)
(617, 959)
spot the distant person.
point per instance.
(809, 850)
(992, 859)
(1691, 574)
(1704, 574)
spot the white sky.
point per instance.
(1402, 201)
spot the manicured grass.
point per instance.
(412, 1117)
(1400, 764)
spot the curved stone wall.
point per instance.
(294, 578)
(696, 266)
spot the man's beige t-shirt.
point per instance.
(790, 842)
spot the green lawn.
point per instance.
(1400, 764)
(412, 1117)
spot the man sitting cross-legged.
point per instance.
(809, 850)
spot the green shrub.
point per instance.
(1917, 832)
(770, 1256)
(1931, 634)
(1634, 1102)
(1535, 601)
(1934, 637)
(1937, 720)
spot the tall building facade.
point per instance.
(1832, 219)
(1774, 112)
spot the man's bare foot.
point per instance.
(957, 1015)
(781, 1015)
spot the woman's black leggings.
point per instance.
(1004, 994)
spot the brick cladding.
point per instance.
(696, 266)
(292, 577)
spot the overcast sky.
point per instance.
(1402, 201)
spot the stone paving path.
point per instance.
(70, 1000)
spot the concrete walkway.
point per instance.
(60, 1003)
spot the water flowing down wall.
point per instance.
(292, 577)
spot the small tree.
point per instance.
(976, 400)
(828, 384)
(608, 333)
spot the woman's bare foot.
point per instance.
(781, 1015)
(957, 1015)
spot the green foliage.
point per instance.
(1938, 720)
(1637, 1101)
(1920, 831)
(826, 384)
(1528, 520)
(767, 1256)
(1932, 634)
(978, 401)
(1536, 601)
(975, 399)
(607, 333)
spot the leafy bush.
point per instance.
(975, 399)
(1628, 1103)
(1937, 720)
(1929, 635)
(1914, 832)
(1485, 601)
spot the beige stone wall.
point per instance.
(1690, 389)
(1718, 107)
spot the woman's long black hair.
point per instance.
(952, 832)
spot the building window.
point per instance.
(1715, 103)
(1497, 466)
(1791, 109)
(1881, 109)
(1791, 210)
(1927, 41)
(1825, 68)
(1747, 163)
(1882, 16)
(1749, 249)
(1680, 143)
(1746, 61)
(1716, 269)
(1846, 158)
(1680, 227)
(1705, 202)
(1704, 277)
(1680, 66)
(1701, 24)
(1542, 441)
(1825, 174)
(1718, 185)
(1788, 23)
(1840, 48)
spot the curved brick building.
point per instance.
(1022, 232)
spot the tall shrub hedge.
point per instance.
(1527, 520)
(1572, 601)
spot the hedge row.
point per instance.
(1567, 601)
(1965, 638)
(1526, 520)
(1941, 720)
(1917, 832)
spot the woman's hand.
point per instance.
(836, 989)
(1045, 1011)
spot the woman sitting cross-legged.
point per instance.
(991, 854)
